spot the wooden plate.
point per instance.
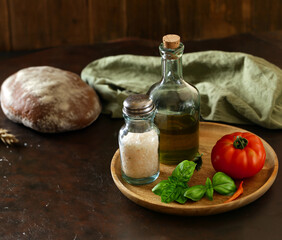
(254, 187)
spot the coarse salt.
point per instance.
(139, 154)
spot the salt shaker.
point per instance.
(139, 141)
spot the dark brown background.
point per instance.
(59, 186)
(33, 24)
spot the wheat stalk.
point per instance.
(7, 138)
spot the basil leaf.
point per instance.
(209, 192)
(181, 198)
(195, 193)
(184, 171)
(158, 189)
(170, 193)
(223, 184)
(172, 179)
(184, 185)
(198, 160)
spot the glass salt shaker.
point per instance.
(139, 141)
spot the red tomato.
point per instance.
(239, 155)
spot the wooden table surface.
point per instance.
(59, 186)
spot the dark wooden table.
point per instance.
(59, 186)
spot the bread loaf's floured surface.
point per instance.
(49, 99)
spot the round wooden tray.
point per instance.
(254, 187)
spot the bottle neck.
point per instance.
(172, 63)
(172, 69)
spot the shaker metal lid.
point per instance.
(138, 104)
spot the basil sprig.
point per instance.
(184, 171)
(176, 188)
(195, 193)
(173, 189)
(198, 160)
(209, 189)
(223, 184)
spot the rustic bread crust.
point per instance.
(49, 99)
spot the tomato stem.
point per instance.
(240, 142)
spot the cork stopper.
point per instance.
(171, 41)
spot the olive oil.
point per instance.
(178, 106)
(179, 137)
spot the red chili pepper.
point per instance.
(236, 194)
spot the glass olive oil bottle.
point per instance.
(178, 106)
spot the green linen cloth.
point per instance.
(234, 87)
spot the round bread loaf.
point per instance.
(49, 99)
